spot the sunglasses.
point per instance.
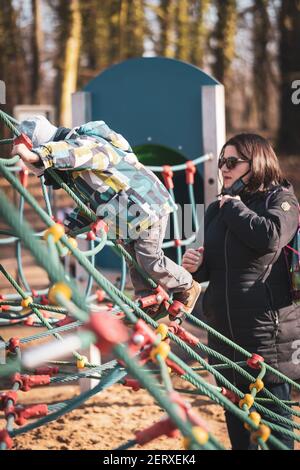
(231, 162)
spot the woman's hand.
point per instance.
(192, 259)
(226, 198)
(24, 153)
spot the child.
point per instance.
(101, 168)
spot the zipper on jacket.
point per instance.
(276, 321)
(227, 301)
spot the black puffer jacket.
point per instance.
(248, 298)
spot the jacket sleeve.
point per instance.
(267, 233)
(77, 154)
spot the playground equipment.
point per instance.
(141, 346)
(171, 112)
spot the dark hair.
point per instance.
(265, 165)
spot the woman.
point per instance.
(248, 298)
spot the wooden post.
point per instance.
(214, 134)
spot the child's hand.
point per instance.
(24, 153)
(192, 259)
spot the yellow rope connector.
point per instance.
(200, 435)
(255, 417)
(162, 330)
(248, 400)
(80, 363)
(162, 349)
(59, 288)
(258, 384)
(263, 432)
(26, 302)
(56, 230)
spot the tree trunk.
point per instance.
(12, 56)
(183, 48)
(36, 48)
(70, 41)
(261, 62)
(224, 50)
(132, 28)
(289, 62)
(225, 33)
(96, 38)
(166, 19)
(199, 32)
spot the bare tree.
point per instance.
(166, 19)
(183, 46)
(36, 50)
(69, 43)
(224, 49)
(224, 35)
(13, 69)
(261, 62)
(199, 31)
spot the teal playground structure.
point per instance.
(172, 113)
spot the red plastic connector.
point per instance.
(187, 337)
(190, 172)
(65, 321)
(160, 296)
(160, 291)
(5, 396)
(44, 300)
(91, 236)
(9, 410)
(6, 439)
(148, 301)
(230, 395)
(24, 177)
(26, 382)
(253, 361)
(176, 311)
(177, 242)
(97, 226)
(132, 383)
(23, 139)
(108, 329)
(47, 370)
(142, 336)
(100, 295)
(5, 308)
(29, 321)
(13, 344)
(162, 427)
(175, 368)
(168, 176)
(35, 411)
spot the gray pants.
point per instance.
(147, 250)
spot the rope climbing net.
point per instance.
(111, 320)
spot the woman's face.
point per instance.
(232, 175)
